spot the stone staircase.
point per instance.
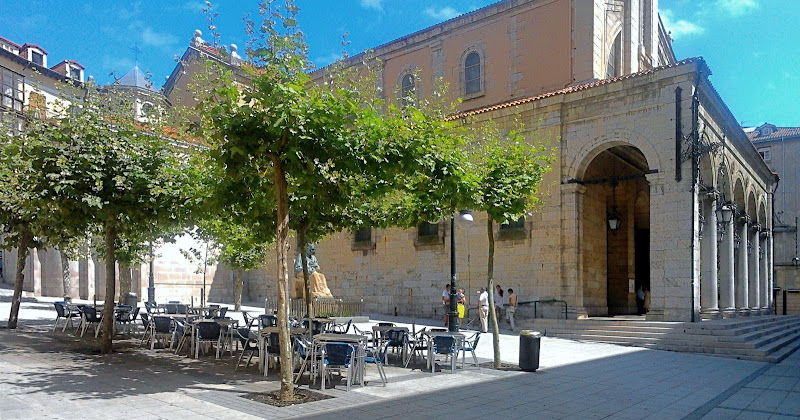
(761, 338)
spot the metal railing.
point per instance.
(536, 304)
(322, 307)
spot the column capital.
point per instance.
(573, 188)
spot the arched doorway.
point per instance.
(616, 225)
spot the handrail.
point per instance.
(544, 301)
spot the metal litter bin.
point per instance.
(131, 299)
(529, 343)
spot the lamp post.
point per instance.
(452, 322)
(151, 281)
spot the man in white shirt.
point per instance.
(483, 309)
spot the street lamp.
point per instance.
(724, 216)
(151, 281)
(464, 216)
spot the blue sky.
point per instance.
(752, 46)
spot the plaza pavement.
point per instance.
(56, 375)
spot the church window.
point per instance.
(408, 90)
(363, 234)
(614, 65)
(514, 224)
(472, 74)
(427, 229)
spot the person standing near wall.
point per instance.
(511, 308)
(640, 301)
(462, 302)
(483, 309)
(498, 302)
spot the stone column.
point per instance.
(742, 271)
(726, 272)
(764, 274)
(770, 257)
(572, 196)
(661, 239)
(754, 279)
(709, 303)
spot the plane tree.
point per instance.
(107, 171)
(318, 153)
(509, 169)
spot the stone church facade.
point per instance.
(641, 139)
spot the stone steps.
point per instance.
(762, 338)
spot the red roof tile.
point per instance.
(571, 89)
(26, 45)
(781, 132)
(8, 41)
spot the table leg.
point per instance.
(261, 353)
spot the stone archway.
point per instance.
(616, 189)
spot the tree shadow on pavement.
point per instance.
(57, 363)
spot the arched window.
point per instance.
(472, 74)
(614, 65)
(408, 90)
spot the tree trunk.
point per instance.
(490, 285)
(125, 281)
(301, 236)
(282, 198)
(66, 277)
(238, 286)
(25, 238)
(106, 343)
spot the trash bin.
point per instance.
(131, 299)
(529, 342)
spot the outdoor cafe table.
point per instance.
(459, 340)
(263, 335)
(327, 323)
(379, 335)
(360, 341)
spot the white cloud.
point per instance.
(372, 4)
(156, 39)
(679, 28)
(737, 7)
(444, 13)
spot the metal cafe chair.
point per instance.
(378, 358)
(249, 341)
(341, 358)
(444, 345)
(62, 311)
(91, 316)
